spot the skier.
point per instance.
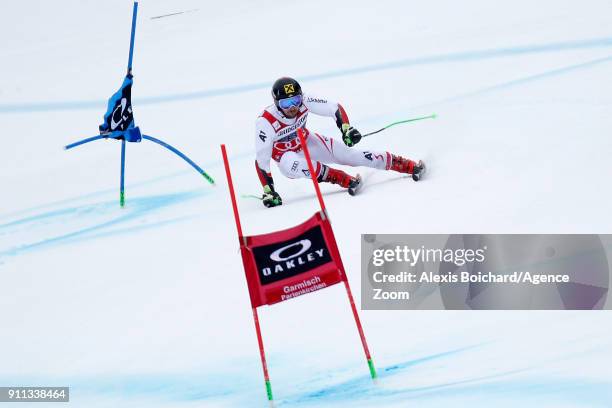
(276, 138)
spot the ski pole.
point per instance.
(432, 116)
(251, 196)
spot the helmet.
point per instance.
(285, 87)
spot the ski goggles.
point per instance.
(289, 102)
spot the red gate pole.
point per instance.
(262, 352)
(364, 343)
(300, 133)
(231, 190)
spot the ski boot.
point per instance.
(401, 165)
(335, 176)
(355, 185)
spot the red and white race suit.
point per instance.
(276, 138)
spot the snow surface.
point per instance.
(147, 306)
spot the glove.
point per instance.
(270, 197)
(350, 135)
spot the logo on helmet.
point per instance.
(289, 89)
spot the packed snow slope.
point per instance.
(147, 306)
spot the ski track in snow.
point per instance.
(351, 387)
(94, 219)
(101, 220)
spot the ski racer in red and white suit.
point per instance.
(276, 138)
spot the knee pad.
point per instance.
(289, 165)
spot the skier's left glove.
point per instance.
(270, 197)
(350, 135)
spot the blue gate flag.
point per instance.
(119, 115)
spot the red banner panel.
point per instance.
(285, 264)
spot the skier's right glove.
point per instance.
(350, 135)
(270, 197)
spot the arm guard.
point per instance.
(341, 117)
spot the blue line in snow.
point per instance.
(112, 217)
(521, 81)
(379, 119)
(604, 42)
(208, 165)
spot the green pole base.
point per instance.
(122, 199)
(372, 369)
(208, 178)
(269, 390)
